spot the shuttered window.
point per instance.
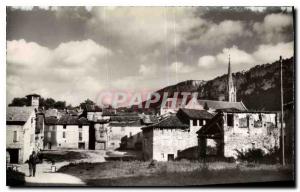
(15, 136)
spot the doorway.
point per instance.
(14, 155)
(81, 145)
(170, 157)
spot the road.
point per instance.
(44, 176)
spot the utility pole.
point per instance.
(282, 130)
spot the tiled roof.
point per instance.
(149, 119)
(33, 94)
(124, 118)
(169, 122)
(18, 114)
(51, 112)
(126, 124)
(72, 120)
(195, 114)
(222, 104)
(51, 120)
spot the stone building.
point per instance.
(231, 130)
(33, 100)
(166, 139)
(120, 127)
(68, 132)
(213, 105)
(20, 133)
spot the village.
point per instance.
(197, 130)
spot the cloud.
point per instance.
(274, 26)
(269, 53)
(80, 52)
(147, 70)
(214, 35)
(241, 60)
(207, 61)
(27, 53)
(179, 67)
(61, 73)
(145, 26)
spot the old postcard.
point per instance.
(150, 96)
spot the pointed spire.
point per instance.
(230, 86)
(229, 67)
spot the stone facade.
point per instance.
(240, 131)
(165, 144)
(261, 132)
(20, 139)
(66, 136)
(116, 133)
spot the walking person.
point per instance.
(33, 160)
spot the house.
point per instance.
(69, 131)
(166, 139)
(20, 133)
(122, 126)
(34, 100)
(135, 142)
(39, 130)
(231, 131)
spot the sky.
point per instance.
(75, 53)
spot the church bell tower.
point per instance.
(230, 87)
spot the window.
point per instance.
(258, 122)
(169, 104)
(80, 136)
(194, 122)
(80, 126)
(65, 126)
(49, 135)
(201, 122)
(230, 121)
(244, 122)
(15, 137)
(102, 134)
(64, 134)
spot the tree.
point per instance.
(60, 105)
(206, 106)
(49, 103)
(86, 103)
(19, 102)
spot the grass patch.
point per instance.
(60, 156)
(184, 172)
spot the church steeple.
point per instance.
(230, 87)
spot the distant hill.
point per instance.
(258, 88)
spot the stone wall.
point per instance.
(172, 141)
(148, 144)
(26, 138)
(263, 135)
(115, 134)
(72, 136)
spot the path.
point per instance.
(44, 176)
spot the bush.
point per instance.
(255, 155)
